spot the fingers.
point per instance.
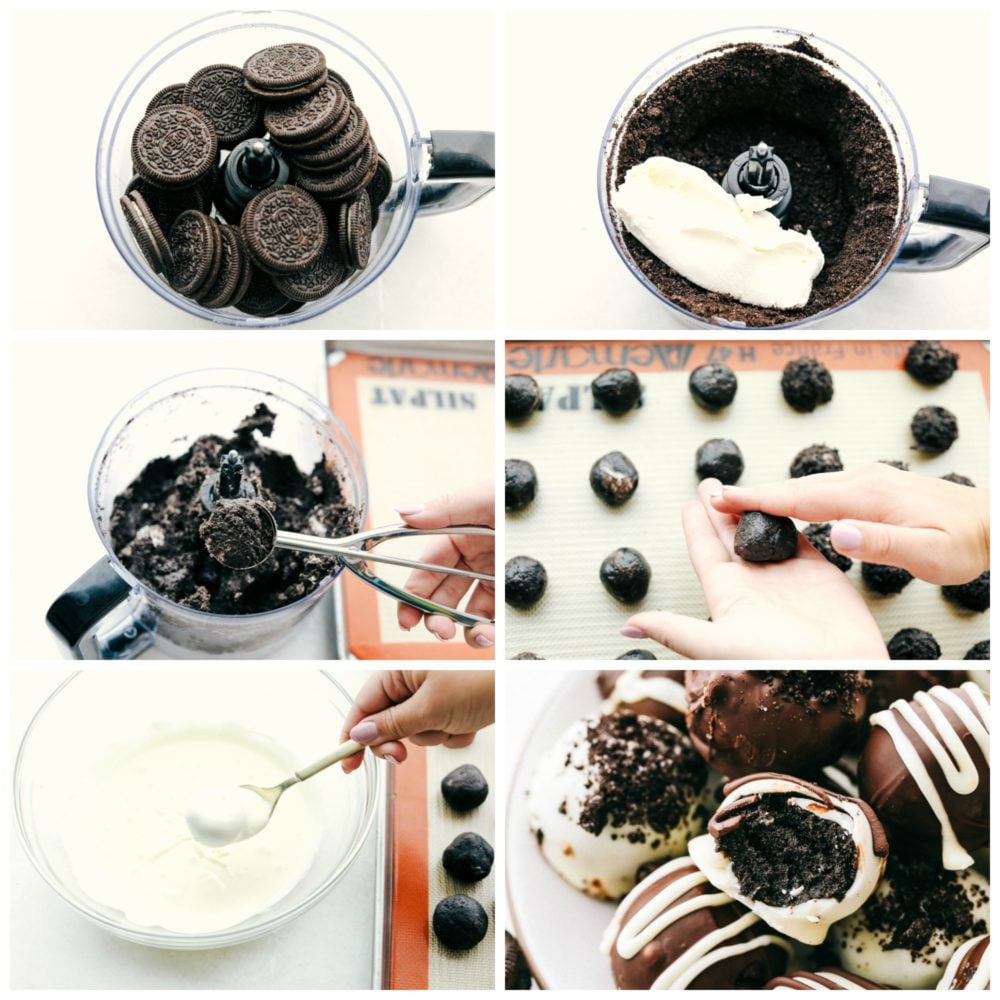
(704, 546)
(723, 524)
(472, 505)
(691, 637)
(922, 551)
(391, 752)
(438, 738)
(482, 602)
(393, 722)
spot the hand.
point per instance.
(427, 707)
(802, 608)
(474, 505)
(937, 530)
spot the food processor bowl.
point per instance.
(939, 223)
(95, 710)
(433, 173)
(110, 614)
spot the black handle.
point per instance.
(953, 226)
(85, 602)
(956, 203)
(462, 155)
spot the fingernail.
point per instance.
(483, 641)
(390, 760)
(364, 732)
(845, 537)
(438, 635)
(409, 509)
(631, 632)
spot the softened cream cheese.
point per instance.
(723, 243)
(130, 847)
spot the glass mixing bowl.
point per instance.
(432, 173)
(109, 613)
(951, 217)
(95, 709)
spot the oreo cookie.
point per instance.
(235, 113)
(173, 94)
(308, 117)
(262, 298)
(195, 247)
(381, 183)
(354, 231)
(222, 291)
(341, 183)
(174, 146)
(279, 69)
(147, 232)
(284, 229)
(336, 149)
(320, 278)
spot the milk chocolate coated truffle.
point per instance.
(659, 693)
(823, 979)
(672, 933)
(791, 721)
(797, 855)
(913, 923)
(925, 770)
(891, 685)
(615, 792)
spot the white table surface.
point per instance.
(53, 947)
(935, 64)
(442, 279)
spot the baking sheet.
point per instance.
(570, 530)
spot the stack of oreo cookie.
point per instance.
(294, 242)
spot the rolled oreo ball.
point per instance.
(885, 580)
(797, 855)
(525, 581)
(934, 429)
(616, 391)
(969, 967)
(615, 792)
(614, 478)
(958, 480)
(980, 651)
(636, 654)
(792, 721)
(806, 383)
(764, 537)
(973, 596)
(914, 922)
(719, 458)
(626, 575)
(818, 536)
(815, 459)
(823, 979)
(659, 693)
(925, 771)
(930, 362)
(521, 397)
(712, 386)
(520, 484)
(673, 931)
(913, 644)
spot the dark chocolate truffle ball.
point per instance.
(934, 429)
(656, 693)
(713, 386)
(815, 459)
(521, 397)
(930, 362)
(885, 579)
(910, 927)
(516, 973)
(792, 721)
(636, 654)
(973, 596)
(805, 383)
(469, 858)
(525, 580)
(954, 477)
(891, 685)
(528, 656)
(464, 788)
(895, 463)
(626, 575)
(818, 536)
(521, 484)
(765, 538)
(913, 644)
(460, 922)
(901, 777)
(616, 391)
(690, 919)
(980, 651)
(719, 458)
(614, 478)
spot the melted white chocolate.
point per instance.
(631, 688)
(980, 979)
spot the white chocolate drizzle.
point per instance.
(664, 910)
(945, 744)
(980, 979)
(631, 687)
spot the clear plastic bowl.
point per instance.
(301, 711)
(233, 38)
(853, 73)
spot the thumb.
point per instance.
(393, 723)
(922, 551)
(691, 637)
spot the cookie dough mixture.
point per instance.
(155, 523)
(130, 848)
(845, 180)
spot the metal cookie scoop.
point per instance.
(242, 533)
(222, 816)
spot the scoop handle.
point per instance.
(342, 752)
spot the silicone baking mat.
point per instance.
(570, 530)
(423, 826)
(424, 427)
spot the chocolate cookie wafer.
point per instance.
(235, 113)
(302, 120)
(335, 149)
(320, 278)
(381, 183)
(174, 146)
(196, 249)
(222, 291)
(284, 229)
(147, 232)
(165, 204)
(173, 94)
(342, 182)
(261, 298)
(354, 231)
(283, 68)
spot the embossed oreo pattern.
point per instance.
(283, 66)
(313, 282)
(307, 117)
(338, 148)
(235, 113)
(174, 146)
(174, 94)
(381, 184)
(284, 229)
